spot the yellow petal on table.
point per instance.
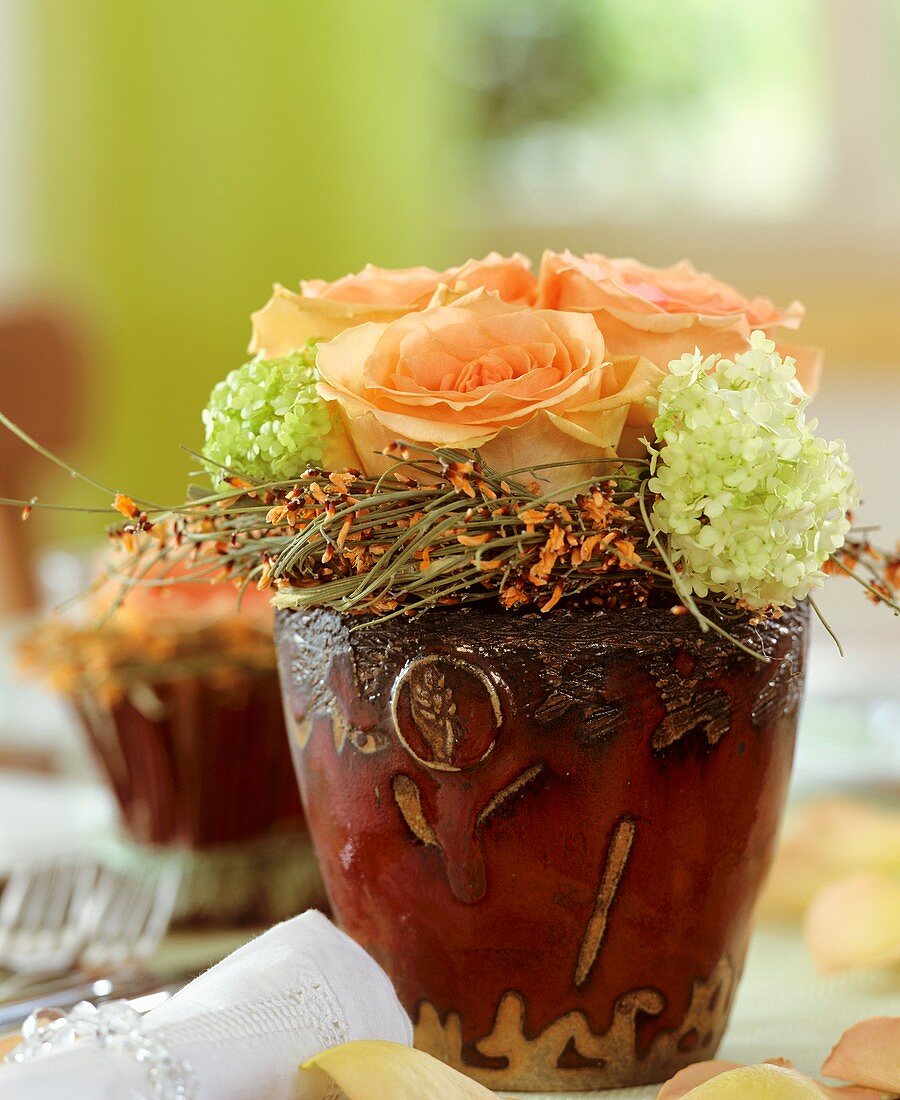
(855, 923)
(869, 1053)
(372, 1069)
(681, 1085)
(700, 1072)
(765, 1082)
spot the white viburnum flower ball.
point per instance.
(751, 502)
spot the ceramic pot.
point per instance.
(201, 772)
(549, 830)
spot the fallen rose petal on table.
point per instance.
(686, 1081)
(373, 1069)
(701, 1072)
(826, 840)
(855, 923)
(868, 1053)
(762, 1082)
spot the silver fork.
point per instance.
(96, 926)
(44, 916)
(63, 915)
(131, 916)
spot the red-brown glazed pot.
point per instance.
(549, 830)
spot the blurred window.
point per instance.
(632, 109)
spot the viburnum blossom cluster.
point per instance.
(267, 419)
(751, 501)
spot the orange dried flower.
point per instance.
(554, 599)
(126, 506)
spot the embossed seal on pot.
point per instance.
(446, 712)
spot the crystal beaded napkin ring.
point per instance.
(115, 1026)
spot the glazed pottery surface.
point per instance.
(549, 830)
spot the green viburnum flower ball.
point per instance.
(751, 502)
(266, 420)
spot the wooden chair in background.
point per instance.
(41, 380)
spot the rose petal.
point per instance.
(764, 1082)
(287, 321)
(855, 923)
(595, 282)
(868, 1052)
(372, 1069)
(508, 276)
(685, 1081)
(691, 1077)
(825, 840)
(379, 286)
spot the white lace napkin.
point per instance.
(243, 1027)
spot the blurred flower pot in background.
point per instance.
(179, 698)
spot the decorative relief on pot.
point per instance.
(613, 868)
(409, 801)
(461, 846)
(579, 688)
(687, 689)
(443, 721)
(568, 1055)
(343, 732)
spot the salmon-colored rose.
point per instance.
(508, 276)
(663, 312)
(324, 309)
(525, 386)
(376, 286)
(190, 603)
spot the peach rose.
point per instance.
(662, 313)
(525, 386)
(324, 309)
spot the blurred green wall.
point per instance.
(190, 153)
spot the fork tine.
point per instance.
(126, 906)
(136, 919)
(159, 915)
(60, 896)
(125, 896)
(99, 887)
(87, 876)
(16, 891)
(35, 906)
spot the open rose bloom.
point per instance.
(531, 371)
(664, 312)
(524, 386)
(322, 310)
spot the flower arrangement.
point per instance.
(603, 432)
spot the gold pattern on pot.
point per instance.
(425, 709)
(462, 852)
(613, 868)
(608, 1060)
